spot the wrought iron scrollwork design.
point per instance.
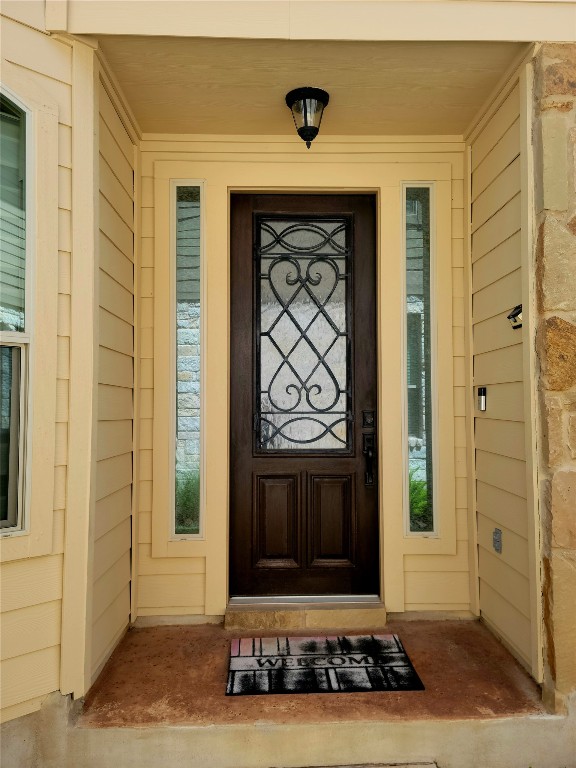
(303, 334)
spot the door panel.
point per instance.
(304, 514)
(276, 528)
(332, 521)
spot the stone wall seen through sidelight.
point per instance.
(188, 396)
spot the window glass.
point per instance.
(12, 215)
(10, 358)
(12, 306)
(187, 360)
(418, 336)
(304, 335)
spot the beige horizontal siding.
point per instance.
(452, 588)
(114, 403)
(501, 613)
(31, 589)
(161, 579)
(170, 590)
(494, 333)
(30, 675)
(145, 526)
(115, 193)
(514, 551)
(114, 438)
(58, 531)
(115, 368)
(116, 299)
(30, 582)
(61, 447)
(505, 438)
(510, 509)
(498, 364)
(162, 566)
(493, 132)
(112, 261)
(110, 547)
(502, 225)
(501, 471)
(436, 563)
(109, 628)
(505, 580)
(497, 263)
(114, 469)
(115, 333)
(112, 510)
(111, 584)
(35, 51)
(114, 227)
(504, 187)
(496, 297)
(502, 154)
(113, 474)
(113, 155)
(30, 629)
(507, 401)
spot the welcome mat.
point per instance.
(346, 664)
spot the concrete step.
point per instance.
(305, 616)
(52, 738)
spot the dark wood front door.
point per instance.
(304, 498)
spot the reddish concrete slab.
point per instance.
(177, 675)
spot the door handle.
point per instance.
(369, 451)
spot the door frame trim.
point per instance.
(375, 195)
(381, 171)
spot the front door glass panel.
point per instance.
(303, 334)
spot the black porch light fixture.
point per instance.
(307, 106)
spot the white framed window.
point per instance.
(16, 290)
(29, 220)
(420, 351)
(186, 307)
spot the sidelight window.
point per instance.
(188, 360)
(14, 321)
(419, 343)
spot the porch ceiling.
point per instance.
(220, 86)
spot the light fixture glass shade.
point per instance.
(307, 106)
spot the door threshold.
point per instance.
(286, 600)
(305, 612)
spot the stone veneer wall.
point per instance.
(554, 133)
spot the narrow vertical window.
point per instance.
(13, 321)
(187, 480)
(418, 357)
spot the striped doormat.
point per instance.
(344, 664)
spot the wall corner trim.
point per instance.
(76, 599)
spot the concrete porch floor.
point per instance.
(176, 675)
(160, 702)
